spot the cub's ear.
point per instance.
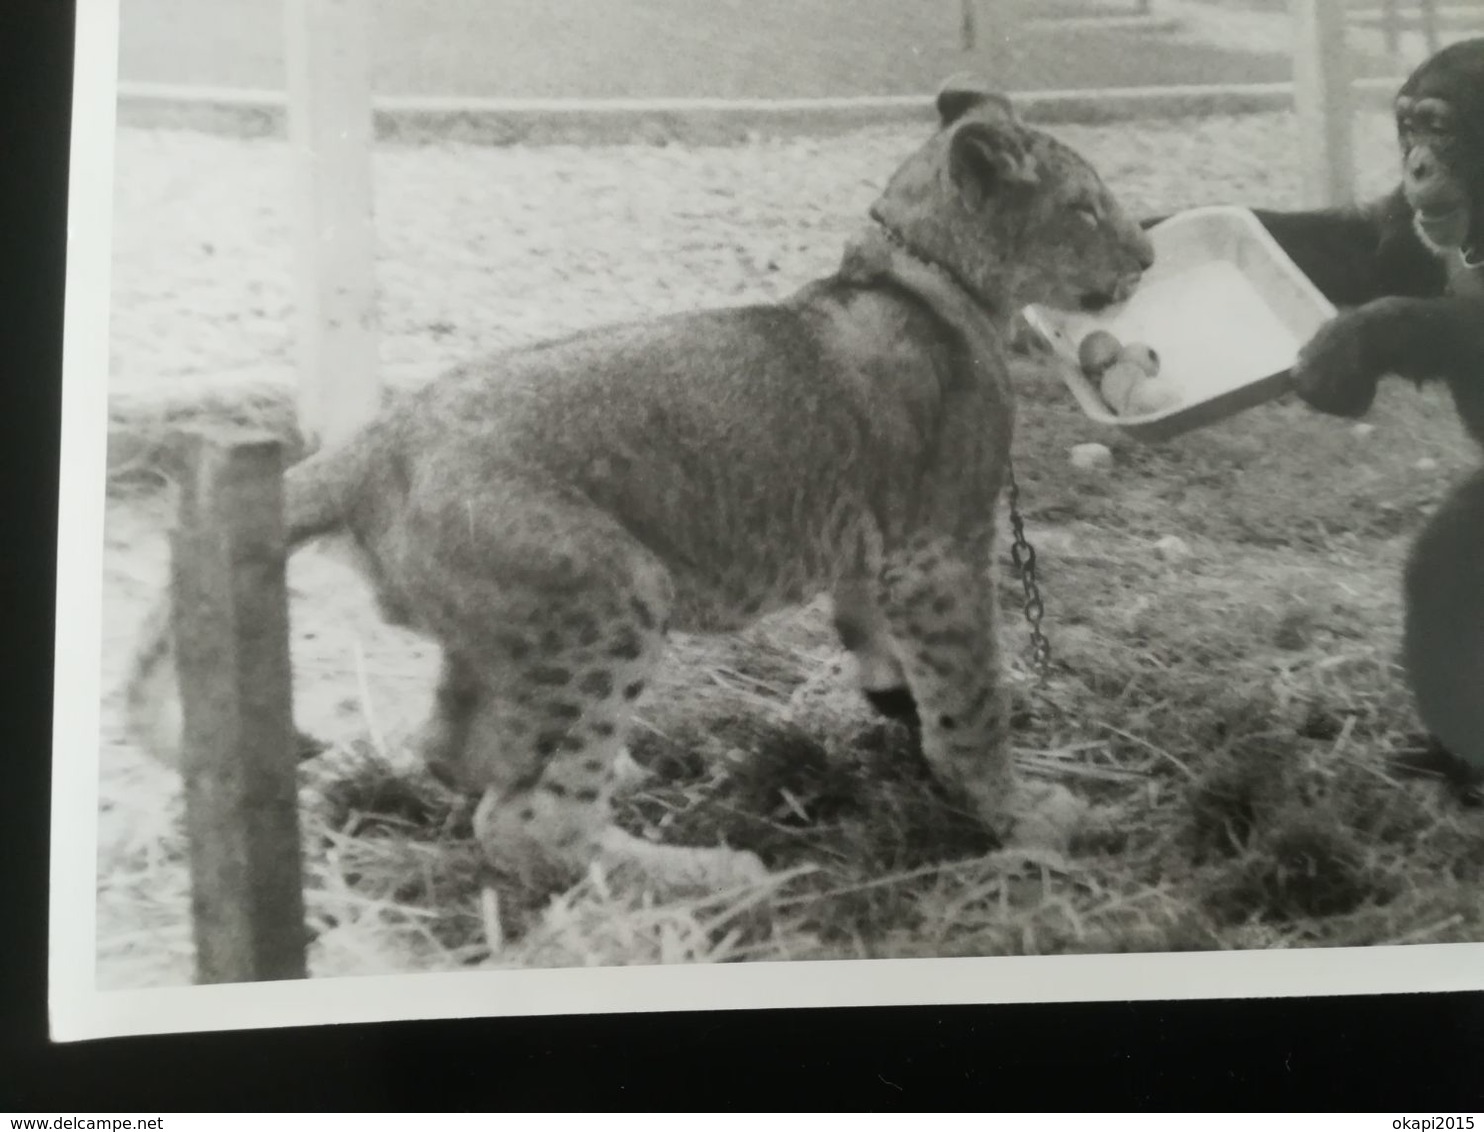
(962, 93)
(984, 160)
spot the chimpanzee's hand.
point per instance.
(1339, 368)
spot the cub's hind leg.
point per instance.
(864, 633)
(938, 598)
(441, 739)
(566, 718)
(551, 642)
(444, 735)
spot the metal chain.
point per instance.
(1023, 554)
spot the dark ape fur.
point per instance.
(1443, 642)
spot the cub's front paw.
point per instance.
(674, 870)
(1045, 815)
(1339, 368)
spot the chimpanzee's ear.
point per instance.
(987, 158)
(962, 93)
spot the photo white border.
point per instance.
(80, 1012)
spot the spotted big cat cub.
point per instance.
(548, 514)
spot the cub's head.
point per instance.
(1016, 216)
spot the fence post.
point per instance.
(1321, 80)
(999, 30)
(238, 760)
(1391, 26)
(330, 131)
(1430, 25)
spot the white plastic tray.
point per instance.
(1224, 307)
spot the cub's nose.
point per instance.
(1127, 284)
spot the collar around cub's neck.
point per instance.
(896, 239)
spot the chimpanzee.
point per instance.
(1410, 270)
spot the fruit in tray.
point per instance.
(1142, 356)
(1098, 351)
(1118, 383)
(1152, 395)
(1127, 374)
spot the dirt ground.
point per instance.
(1230, 710)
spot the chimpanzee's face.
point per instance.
(1440, 125)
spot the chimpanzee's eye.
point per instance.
(1087, 213)
(1431, 116)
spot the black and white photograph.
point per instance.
(640, 505)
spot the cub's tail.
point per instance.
(317, 494)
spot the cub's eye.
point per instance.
(1087, 213)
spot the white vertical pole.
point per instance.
(330, 131)
(1321, 80)
(1430, 25)
(1391, 26)
(998, 35)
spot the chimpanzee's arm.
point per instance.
(1439, 339)
(1354, 255)
(1433, 339)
